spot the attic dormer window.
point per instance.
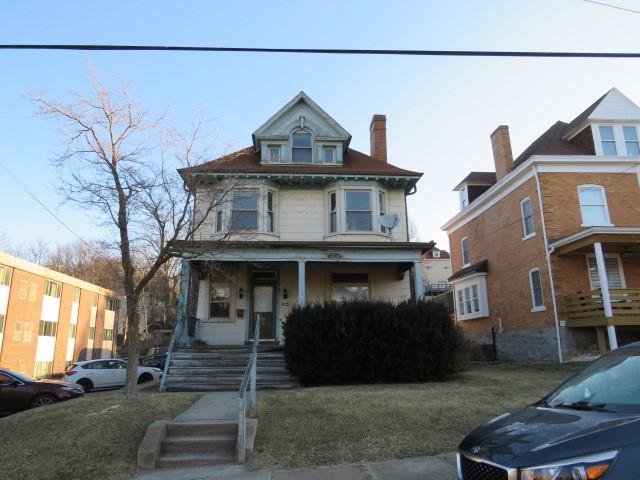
(301, 148)
(608, 140)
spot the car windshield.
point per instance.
(20, 376)
(611, 383)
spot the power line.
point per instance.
(42, 204)
(612, 6)
(327, 51)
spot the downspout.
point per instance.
(411, 191)
(548, 251)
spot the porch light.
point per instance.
(285, 293)
(240, 293)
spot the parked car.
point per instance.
(588, 428)
(106, 373)
(155, 357)
(19, 392)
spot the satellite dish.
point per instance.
(389, 221)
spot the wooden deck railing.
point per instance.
(585, 309)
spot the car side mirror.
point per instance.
(13, 383)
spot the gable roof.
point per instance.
(247, 160)
(304, 98)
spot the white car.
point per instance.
(106, 373)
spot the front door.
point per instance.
(263, 303)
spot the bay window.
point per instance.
(358, 210)
(244, 213)
(269, 217)
(382, 209)
(333, 213)
(471, 297)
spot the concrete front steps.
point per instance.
(189, 444)
(210, 368)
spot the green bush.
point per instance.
(371, 342)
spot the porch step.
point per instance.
(177, 460)
(209, 368)
(211, 427)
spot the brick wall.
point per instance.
(496, 235)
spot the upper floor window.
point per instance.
(464, 247)
(358, 211)
(112, 304)
(275, 153)
(435, 253)
(329, 154)
(527, 218)
(5, 275)
(631, 140)
(244, 210)
(593, 205)
(52, 289)
(94, 300)
(382, 208)
(218, 208)
(608, 140)
(464, 198)
(270, 217)
(333, 213)
(301, 151)
(76, 295)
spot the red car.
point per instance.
(19, 392)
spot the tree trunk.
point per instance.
(132, 347)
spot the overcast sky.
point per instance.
(440, 111)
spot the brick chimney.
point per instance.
(502, 155)
(378, 135)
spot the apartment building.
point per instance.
(546, 249)
(49, 319)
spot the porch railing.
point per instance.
(248, 383)
(586, 309)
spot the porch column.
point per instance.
(301, 282)
(417, 281)
(606, 298)
(180, 330)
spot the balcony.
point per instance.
(587, 309)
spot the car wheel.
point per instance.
(145, 377)
(43, 401)
(86, 384)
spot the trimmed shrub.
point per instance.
(371, 342)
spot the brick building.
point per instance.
(546, 249)
(48, 319)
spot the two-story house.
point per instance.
(545, 250)
(295, 218)
(436, 270)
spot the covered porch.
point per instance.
(598, 275)
(224, 286)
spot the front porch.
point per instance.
(224, 287)
(598, 272)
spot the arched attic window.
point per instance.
(301, 151)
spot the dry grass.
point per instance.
(330, 425)
(93, 437)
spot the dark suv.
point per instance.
(19, 392)
(586, 429)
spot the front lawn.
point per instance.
(330, 425)
(93, 437)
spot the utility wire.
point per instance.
(330, 51)
(612, 6)
(42, 204)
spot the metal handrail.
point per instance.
(248, 382)
(172, 346)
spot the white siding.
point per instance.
(302, 214)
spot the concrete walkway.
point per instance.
(212, 406)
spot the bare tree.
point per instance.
(414, 232)
(120, 163)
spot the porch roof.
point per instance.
(618, 238)
(295, 251)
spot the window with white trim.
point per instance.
(464, 198)
(358, 210)
(471, 298)
(329, 154)
(333, 212)
(608, 140)
(244, 212)
(52, 289)
(535, 282)
(275, 153)
(593, 205)
(270, 215)
(631, 143)
(615, 275)
(382, 201)
(435, 253)
(301, 150)
(527, 218)
(220, 298)
(33, 292)
(464, 247)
